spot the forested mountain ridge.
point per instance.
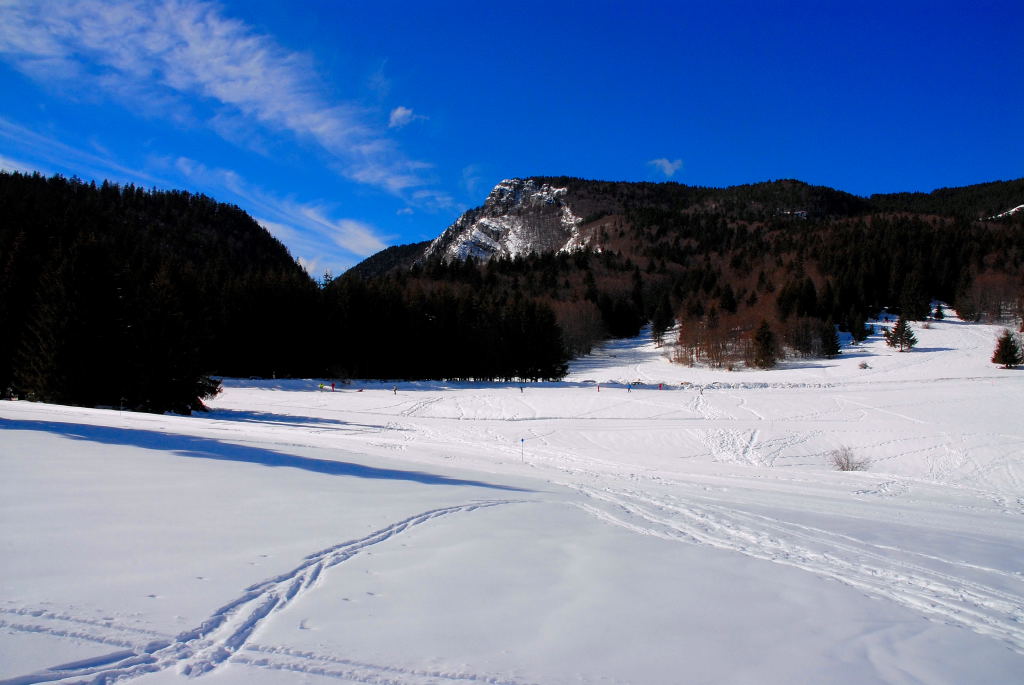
(980, 201)
(125, 297)
(549, 214)
(613, 255)
(396, 256)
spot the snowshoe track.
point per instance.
(871, 568)
(227, 631)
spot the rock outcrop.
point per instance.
(520, 216)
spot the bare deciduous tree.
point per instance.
(842, 459)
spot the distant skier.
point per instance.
(394, 389)
(332, 386)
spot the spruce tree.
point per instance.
(914, 303)
(901, 336)
(859, 328)
(663, 319)
(766, 350)
(1007, 352)
(39, 368)
(829, 340)
(728, 299)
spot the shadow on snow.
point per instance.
(208, 448)
(294, 420)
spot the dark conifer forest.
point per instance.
(119, 296)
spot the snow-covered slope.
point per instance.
(576, 532)
(1009, 212)
(519, 216)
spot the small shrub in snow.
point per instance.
(842, 459)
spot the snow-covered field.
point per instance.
(575, 532)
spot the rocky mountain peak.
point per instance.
(516, 193)
(520, 216)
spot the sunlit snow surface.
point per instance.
(559, 533)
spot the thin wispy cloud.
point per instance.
(310, 229)
(313, 235)
(435, 199)
(394, 178)
(379, 81)
(36, 146)
(163, 56)
(8, 164)
(667, 166)
(471, 179)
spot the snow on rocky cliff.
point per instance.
(1009, 212)
(520, 216)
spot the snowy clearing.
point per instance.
(582, 531)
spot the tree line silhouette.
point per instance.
(120, 296)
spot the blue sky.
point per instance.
(345, 126)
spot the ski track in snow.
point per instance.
(739, 424)
(419, 405)
(226, 633)
(726, 444)
(944, 595)
(283, 659)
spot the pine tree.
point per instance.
(859, 328)
(807, 304)
(829, 341)
(766, 350)
(1007, 352)
(663, 319)
(638, 290)
(728, 299)
(914, 304)
(39, 369)
(901, 336)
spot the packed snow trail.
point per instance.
(222, 635)
(869, 567)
